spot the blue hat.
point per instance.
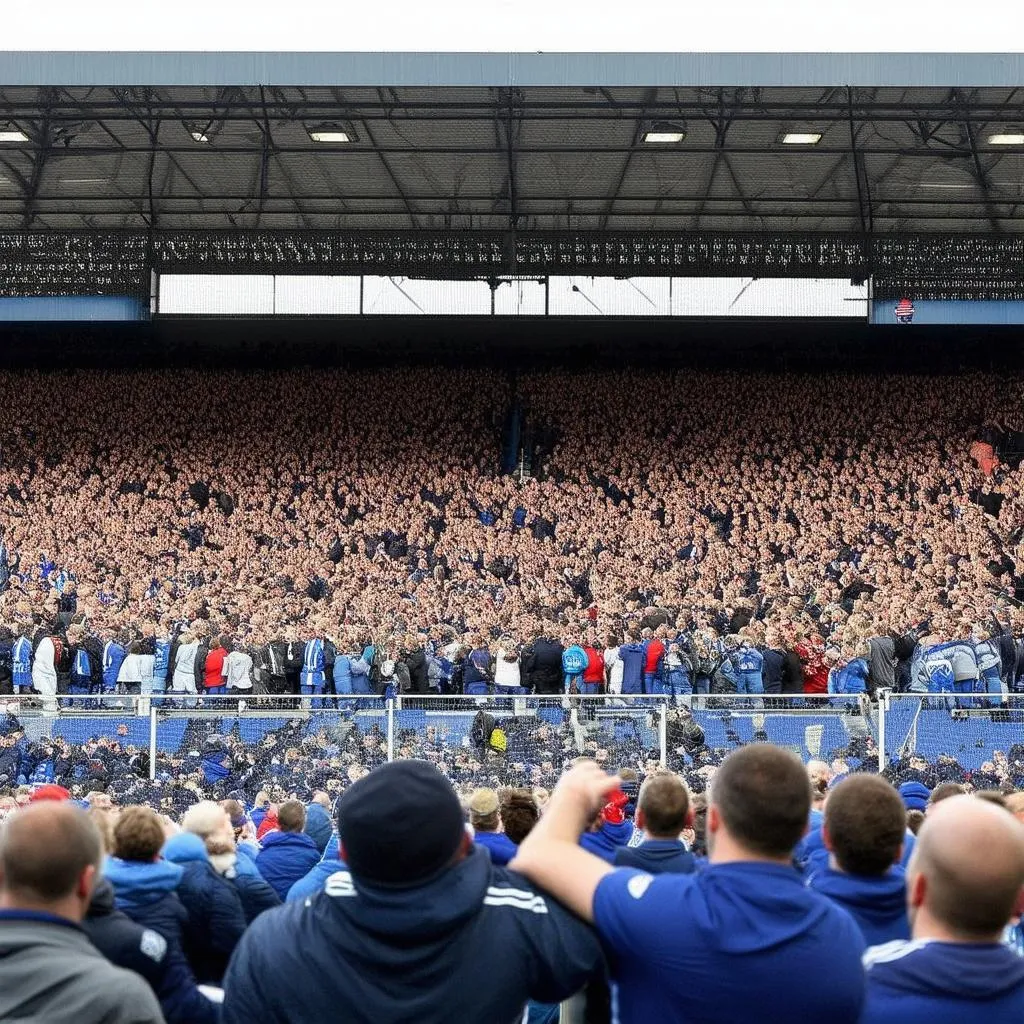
(915, 795)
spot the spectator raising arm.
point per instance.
(551, 856)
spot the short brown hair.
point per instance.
(44, 849)
(993, 796)
(915, 819)
(866, 823)
(764, 797)
(291, 816)
(944, 790)
(519, 813)
(665, 803)
(138, 834)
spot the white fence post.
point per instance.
(663, 733)
(882, 700)
(391, 730)
(152, 741)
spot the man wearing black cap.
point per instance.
(421, 926)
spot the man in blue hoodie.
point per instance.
(963, 885)
(863, 830)
(288, 853)
(422, 926)
(662, 812)
(743, 940)
(633, 655)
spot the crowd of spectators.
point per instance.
(367, 507)
(783, 892)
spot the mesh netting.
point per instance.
(965, 732)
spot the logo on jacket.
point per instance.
(904, 312)
(153, 945)
(638, 885)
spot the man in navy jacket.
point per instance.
(663, 812)
(744, 939)
(421, 926)
(963, 885)
(863, 830)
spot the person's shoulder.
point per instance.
(508, 890)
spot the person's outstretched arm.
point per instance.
(550, 856)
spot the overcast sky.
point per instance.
(514, 25)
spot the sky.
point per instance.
(516, 25)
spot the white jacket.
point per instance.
(185, 668)
(613, 669)
(506, 673)
(44, 672)
(238, 670)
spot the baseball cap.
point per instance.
(400, 826)
(48, 792)
(483, 801)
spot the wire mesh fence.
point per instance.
(297, 742)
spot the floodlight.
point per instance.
(801, 138)
(664, 134)
(1006, 139)
(9, 133)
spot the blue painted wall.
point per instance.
(74, 308)
(931, 312)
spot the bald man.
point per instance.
(49, 970)
(963, 886)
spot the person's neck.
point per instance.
(726, 850)
(927, 927)
(69, 909)
(651, 837)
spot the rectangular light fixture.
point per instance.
(801, 138)
(11, 134)
(666, 136)
(1006, 139)
(329, 135)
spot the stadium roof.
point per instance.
(461, 164)
(525, 158)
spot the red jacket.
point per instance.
(594, 672)
(655, 652)
(213, 675)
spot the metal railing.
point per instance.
(879, 729)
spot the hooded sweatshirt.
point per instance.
(607, 839)
(285, 858)
(633, 656)
(925, 982)
(680, 942)
(878, 904)
(656, 857)
(415, 954)
(50, 971)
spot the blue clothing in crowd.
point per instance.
(315, 879)
(925, 982)
(679, 944)
(657, 857)
(397, 954)
(285, 858)
(633, 657)
(849, 678)
(878, 904)
(216, 920)
(21, 662)
(500, 847)
(607, 840)
(113, 657)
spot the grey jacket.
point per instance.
(50, 973)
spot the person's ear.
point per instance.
(687, 821)
(826, 838)
(86, 883)
(641, 819)
(917, 886)
(714, 819)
